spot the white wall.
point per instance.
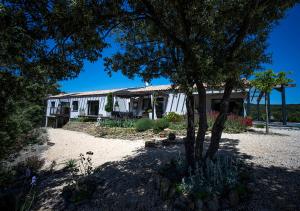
(176, 102)
(82, 105)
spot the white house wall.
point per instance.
(176, 103)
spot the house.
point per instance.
(148, 101)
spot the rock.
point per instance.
(233, 197)
(172, 136)
(213, 204)
(150, 144)
(198, 204)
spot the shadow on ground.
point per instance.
(130, 185)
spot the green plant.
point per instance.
(71, 164)
(33, 163)
(173, 117)
(124, 123)
(259, 126)
(160, 125)
(109, 104)
(143, 124)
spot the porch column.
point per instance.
(248, 104)
(283, 105)
(153, 116)
(46, 123)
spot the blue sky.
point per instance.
(284, 44)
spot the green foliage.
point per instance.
(173, 117)
(123, 123)
(109, 104)
(217, 178)
(234, 123)
(260, 126)
(265, 81)
(143, 124)
(160, 125)
(84, 119)
(71, 164)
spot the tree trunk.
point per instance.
(218, 126)
(190, 138)
(202, 124)
(267, 113)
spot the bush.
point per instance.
(126, 123)
(259, 126)
(160, 125)
(85, 119)
(33, 163)
(173, 117)
(234, 123)
(143, 124)
(71, 164)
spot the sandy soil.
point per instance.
(275, 160)
(69, 144)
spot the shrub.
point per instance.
(143, 124)
(33, 163)
(109, 104)
(126, 123)
(259, 126)
(217, 178)
(173, 117)
(160, 125)
(177, 125)
(71, 164)
(234, 123)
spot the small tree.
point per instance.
(266, 81)
(109, 104)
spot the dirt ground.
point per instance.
(127, 169)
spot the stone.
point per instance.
(233, 198)
(150, 144)
(198, 204)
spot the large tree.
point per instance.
(41, 42)
(194, 43)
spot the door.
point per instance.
(93, 108)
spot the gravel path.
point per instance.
(276, 167)
(69, 144)
(275, 159)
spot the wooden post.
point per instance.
(267, 112)
(283, 105)
(248, 104)
(257, 110)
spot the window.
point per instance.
(53, 104)
(75, 106)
